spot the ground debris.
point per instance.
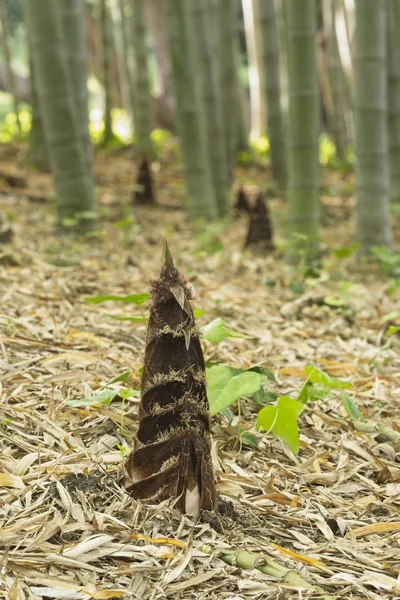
(68, 527)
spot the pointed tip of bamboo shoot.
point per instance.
(167, 262)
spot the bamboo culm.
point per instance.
(144, 101)
(276, 130)
(210, 94)
(370, 90)
(304, 129)
(190, 112)
(73, 181)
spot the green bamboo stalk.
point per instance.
(258, 118)
(118, 19)
(123, 21)
(279, 7)
(324, 80)
(73, 23)
(144, 100)
(276, 130)
(304, 128)
(345, 28)
(370, 91)
(209, 81)
(249, 560)
(4, 39)
(393, 49)
(73, 183)
(38, 156)
(106, 49)
(242, 126)
(226, 31)
(336, 78)
(190, 112)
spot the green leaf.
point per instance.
(137, 299)
(266, 418)
(126, 393)
(246, 438)
(124, 223)
(198, 312)
(392, 329)
(123, 377)
(334, 301)
(271, 283)
(345, 252)
(105, 396)
(224, 387)
(297, 287)
(281, 421)
(350, 407)
(286, 425)
(228, 414)
(310, 392)
(69, 222)
(392, 316)
(312, 273)
(133, 319)
(263, 371)
(216, 331)
(316, 375)
(263, 397)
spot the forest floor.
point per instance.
(331, 514)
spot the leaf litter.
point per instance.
(330, 515)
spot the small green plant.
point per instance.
(124, 450)
(346, 251)
(227, 385)
(208, 240)
(107, 393)
(4, 424)
(388, 260)
(137, 299)
(216, 331)
(126, 223)
(281, 420)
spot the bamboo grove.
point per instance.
(220, 74)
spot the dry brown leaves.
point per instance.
(68, 529)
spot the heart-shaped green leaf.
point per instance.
(216, 331)
(316, 375)
(137, 299)
(281, 421)
(224, 387)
